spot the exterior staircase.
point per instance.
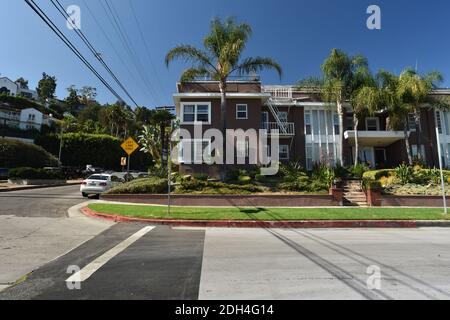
(354, 196)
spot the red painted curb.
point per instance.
(259, 224)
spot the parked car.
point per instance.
(97, 184)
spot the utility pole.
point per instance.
(438, 140)
(169, 170)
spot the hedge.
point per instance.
(142, 186)
(24, 103)
(33, 173)
(15, 154)
(377, 174)
(99, 150)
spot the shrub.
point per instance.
(141, 186)
(15, 154)
(33, 173)
(371, 185)
(201, 176)
(359, 170)
(203, 187)
(244, 179)
(378, 174)
(404, 173)
(323, 175)
(260, 178)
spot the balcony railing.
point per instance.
(272, 126)
(279, 92)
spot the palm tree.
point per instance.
(341, 80)
(365, 102)
(221, 58)
(415, 91)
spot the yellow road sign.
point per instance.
(130, 146)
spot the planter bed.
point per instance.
(276, 200)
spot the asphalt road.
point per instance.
(247, 264)
(47, 202)
(45, 253)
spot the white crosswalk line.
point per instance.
(92, 267)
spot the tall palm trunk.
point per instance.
(223, 120)
(406, 138)
(340, 110)
(418, 132)
(356, 124)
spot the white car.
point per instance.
(98, 183)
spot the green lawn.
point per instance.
(191, 213)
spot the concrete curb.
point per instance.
(39, 187)
(272, 224)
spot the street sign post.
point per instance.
(129, 146)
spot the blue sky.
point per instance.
(297, 33)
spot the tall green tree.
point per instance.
(414, 90)
(341, 79)
(220, 58)
(22, 83)
(366, 101)
(162, 119)
(46, 87)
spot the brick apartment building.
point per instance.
(308, 127)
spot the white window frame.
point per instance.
(195, 104)
(240, 111)
(287, 151)
(193, 152)
(377, 121)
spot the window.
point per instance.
(284, 152)
(439, 122)
(265, 120)
(336, 124)
(243, 149)
(418, 153)
(195, 151)
(372, 124)
(196, 112)
(308, 123)
(241, 111)
(350, 125)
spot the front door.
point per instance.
(380, 158)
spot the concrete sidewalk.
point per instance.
(27, 243)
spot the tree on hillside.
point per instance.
(87, 94)
(72, 99)
(221, 58)
(22, 83)
(46, 87)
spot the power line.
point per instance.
(69, 44)
(115, 49)
(133, 11)
(111, 12)
(96, 54)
